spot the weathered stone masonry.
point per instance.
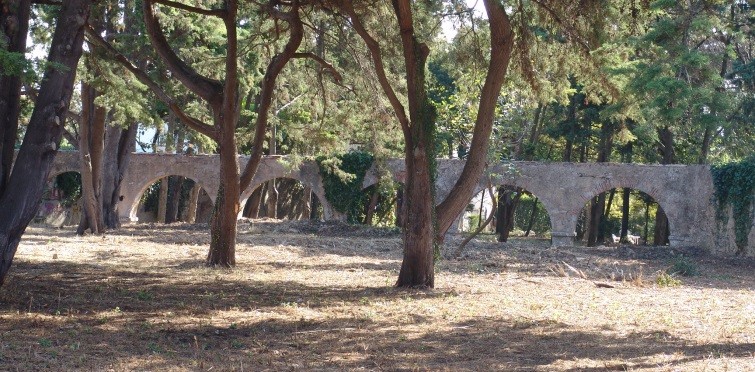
(685, 192)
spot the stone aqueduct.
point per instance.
(685, 192)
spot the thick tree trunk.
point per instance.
(417, 266)
(223, 223)
(597, 205)
(661, 235)
(420, 233)
(20, 198)
(91, 149)
(119, 146)
(14, 25)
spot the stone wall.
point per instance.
(685, 192)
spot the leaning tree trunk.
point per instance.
(20, 199)
(252, 207)
(14, 25)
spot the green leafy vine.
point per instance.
(342, 178)
(735, 187)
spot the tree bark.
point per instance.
(14, 25)
(533, 215)
(272, 199)
(191, 212)
(20, 198)
(668, 156)
(370, 210)
(420, 234)
(91, 148)
(252, 208)
(508, 200)
(625, 214)
(162, 200)
(119, 144)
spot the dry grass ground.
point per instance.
(319, 297)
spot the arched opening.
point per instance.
(60, 204)
(622, 216)
(518, 214)
(174, 199)
(379, 205)
(283, 199)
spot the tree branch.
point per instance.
(209, 12)
(501, 47)
(265, 97)
(325, 65)
(142, 76)
(377, 60)
(209, 89)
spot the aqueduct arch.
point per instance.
(684, 191)
(307, 173)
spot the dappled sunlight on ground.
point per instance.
(319, 296)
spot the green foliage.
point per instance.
(664, 279)
(69, 184)
(683, 266)
(735, 186)
(342, 178)
(541, 223)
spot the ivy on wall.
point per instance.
(735, 186)
(342, 178)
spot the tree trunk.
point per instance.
(119, 146)
(191, 212)
(533, 215)
(175, 183)
(20, 198)
(370, 210)
(661, 235)
(162, 200)
(400, 213)
(668, 156)
(508, 200)
(314, 213)
(14, 25)
(223, 223)
(417, 129)
(597, 205)
(91, 148)
(417, 266)
(625, 214)
(307, 208)
(252, 208)
(272, 199)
